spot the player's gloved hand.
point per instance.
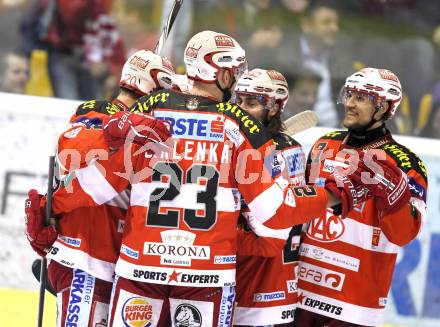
(134, 127)
(348, 189)
(39, 236)
(389, 186)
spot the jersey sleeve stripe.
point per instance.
(95, 185)
(360, 234)
(266, 204)
(263, 231)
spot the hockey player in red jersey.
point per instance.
(269, 296)
(177, 259)
(84, 247)
(346, 265)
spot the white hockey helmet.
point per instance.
(145, 72)
(207, 52)
(268, 84)
(381, 84)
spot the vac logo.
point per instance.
(137, 312)
(194, 126)
(326, 228)
(187, 315)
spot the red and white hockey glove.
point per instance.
(39, 236)
(348, 190)
(134, 127)
(387, 183)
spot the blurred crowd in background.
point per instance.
(75, 49)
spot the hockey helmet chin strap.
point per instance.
(227, 93)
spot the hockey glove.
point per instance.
(138, 128)
(389, 186)
(348, 190)
(39, 236)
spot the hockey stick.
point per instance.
(300, 122)
(168, 25)
(43, 269)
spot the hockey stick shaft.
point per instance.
(168, 25)
(43, 269)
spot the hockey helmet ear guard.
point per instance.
(145, 72)
(379, 85)
(207, 52)
(269, 85)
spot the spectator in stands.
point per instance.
(303, 85)
(82, 42)
(318, 46)
(14, 72)
(432, 127)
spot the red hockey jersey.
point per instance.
(269, 297)
(346, 265)
(89, 238)
(185, 199)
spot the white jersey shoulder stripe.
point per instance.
(266, 204)
(95, 185)
(359, 234)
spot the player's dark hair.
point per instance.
(275, 124)
(318, 4)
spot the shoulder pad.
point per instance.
(104, 107)
(147, 103)
(405, 158)
(283, 141)
(254, 130)
(335, 135)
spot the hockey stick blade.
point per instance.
(300, 122)
(168, 25)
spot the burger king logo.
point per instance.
(137, 312)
